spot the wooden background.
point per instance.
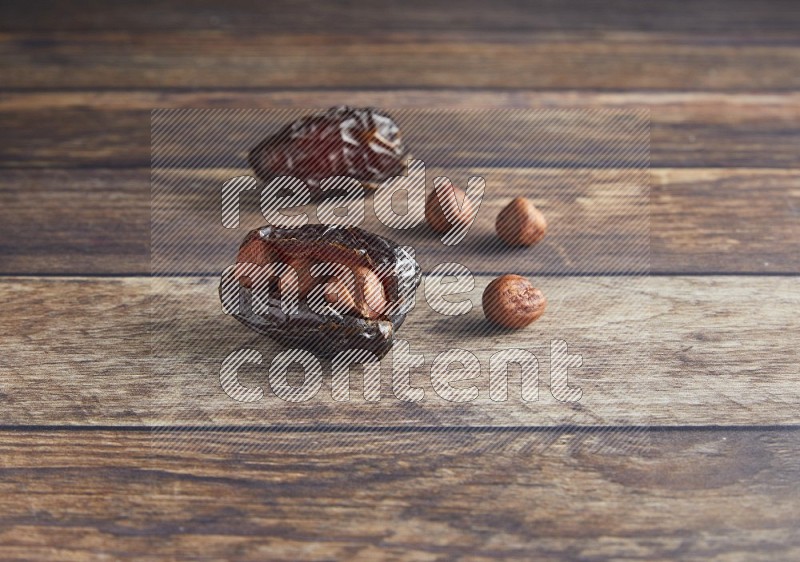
(713, 475)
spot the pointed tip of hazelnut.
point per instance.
(520, 223)
(442, 205)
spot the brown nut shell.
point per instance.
(435, 209)
(511, 301)
(520, 223)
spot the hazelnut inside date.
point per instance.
(357, 296)
(338, 294)
(361, 293)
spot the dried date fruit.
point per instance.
(360, 143)
(362, 315)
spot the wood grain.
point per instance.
(668, 351)
(598, 221)
(688, 494)
(621, 474)
(88, 220)
(98, 221)
(443, 59)
(307, 16)
(112, 129)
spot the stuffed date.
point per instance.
(322, 288)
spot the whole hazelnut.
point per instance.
(367, 298)
(442, 203)
(520, 223)
(511, 301)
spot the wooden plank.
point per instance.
(663, 351)
(412, 59)
(598, 221)
(58, 221)
(695, 226)
(546, 138)
(112, 129)
(406, 496)
(306, 16)
(98, 221)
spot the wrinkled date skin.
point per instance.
(385, 277)
(360, 143)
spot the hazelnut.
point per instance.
(305, 281)
(511, 301)
(370, 298)
(520, 223)
(437, 213)
(337, 294)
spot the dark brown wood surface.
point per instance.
(689, 454)
(98, 129)
(106, 228)
(306, 16)
(545, 60)
(689, 494)
(682, 355)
